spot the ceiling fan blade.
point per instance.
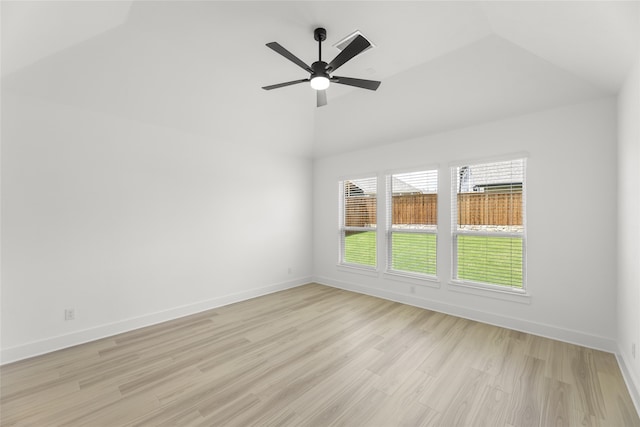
(290, 56)
(364, 84)
(293, 82)
(355, 47)
(321, 97)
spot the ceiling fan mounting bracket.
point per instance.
(320, 34)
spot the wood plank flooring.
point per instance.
(318, 356)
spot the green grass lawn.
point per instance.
(360, 248)
(415, 253)
(495, 260)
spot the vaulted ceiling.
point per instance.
(199, 66)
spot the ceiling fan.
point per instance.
(320, 72)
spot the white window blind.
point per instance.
(358, 218)
(412, 221)
(488, 223)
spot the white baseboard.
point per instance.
(632, 381)
(48, 345)
(535, 328)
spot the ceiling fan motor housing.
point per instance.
(319, 77)
(319, 69)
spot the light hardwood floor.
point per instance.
(318, 356)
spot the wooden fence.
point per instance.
(490, 209)
(415, 209)
(360, 211)
(473, 209)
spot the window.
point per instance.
(358, 217)
(488, 224)
(412, 218)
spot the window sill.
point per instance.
(371, 272)
(491, 292)
(427, 281)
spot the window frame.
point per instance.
(343, 228)
(519, 294)
(390, 230)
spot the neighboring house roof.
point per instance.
(491, 174)
(401, 184)
(367, 185)
(472, 176)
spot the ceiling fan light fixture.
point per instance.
(319, 82)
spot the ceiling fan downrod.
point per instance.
(320, 35)
(320, 77)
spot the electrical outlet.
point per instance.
(69, 314)
(633, 350)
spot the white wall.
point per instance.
(132, 224)
(571, 212)
(629, 229)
